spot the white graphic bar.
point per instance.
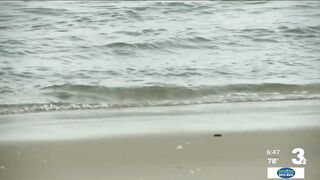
(272, 172)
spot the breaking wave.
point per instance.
(69, 97)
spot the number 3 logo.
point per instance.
(300, 160)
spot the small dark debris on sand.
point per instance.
(217, 135)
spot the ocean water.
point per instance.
(57, 55)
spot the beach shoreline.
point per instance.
(164, 143)
(107, 123)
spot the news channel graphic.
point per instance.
(286, 164)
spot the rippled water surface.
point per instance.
(73, 55)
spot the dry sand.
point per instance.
(160, 143)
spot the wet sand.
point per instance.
(217, 141)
